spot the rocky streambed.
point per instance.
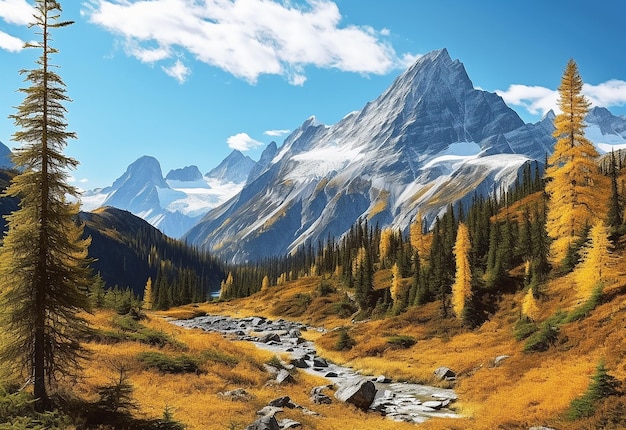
(396, 400)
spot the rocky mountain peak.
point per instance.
(234, 168)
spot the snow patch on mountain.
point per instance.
(319, 162)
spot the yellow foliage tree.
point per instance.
(395, 282)
(419, 241)
(530, 308)
(595, 266)
(462, 287)
(572, 172)
(226, 285)
(265, 283)
(148, 299)
(386, 235)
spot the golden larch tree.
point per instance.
(395, 282)
(462, 287)
(573, 174)
(148, 298)
(384, 248)
(265, 283)
(530, 308)
(596, 264)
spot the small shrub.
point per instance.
(402, 341)
(344, 341)
(167, 364)
(325, 289)
(217, 356)
(168, 422)
(524, 328)
(547, 334)
(275, 362)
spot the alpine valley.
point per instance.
(429, 141)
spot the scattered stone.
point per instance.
(269, 411)
(318, 397)
(295, 333)
(284, 377)
(238, 394)
(499, 359)
(280, 402)
(257, 321)
(359, 392)
(271, 369)
(269, 337)
(434, 404)
(289, 424)
(300, 363)
(264, 423)
(319, 362)
(331, 375)
(445, 373)
(382, 379)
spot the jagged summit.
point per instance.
(429, 140)
(185, 174)
(234, 168)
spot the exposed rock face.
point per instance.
(431, 139)
(264, 423)
(359, 392)
(445, 373)
(234, 168)
(186, 174)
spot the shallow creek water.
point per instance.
(396, 400)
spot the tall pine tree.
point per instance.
(572, 172)
(44, 274)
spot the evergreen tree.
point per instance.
(44, 274)
(614, 215)
(97, 291)
(462, 287)
(572, 170)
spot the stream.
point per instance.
(396, 400)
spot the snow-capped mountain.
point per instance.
(186, 174)
(605, 130)
(234, 168)
(172, 205)
(429, 140)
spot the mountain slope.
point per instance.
(429, 140)
(5, 156)
(127, 250)
(234, 168)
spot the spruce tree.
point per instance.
(44, 273)
(572, 171)
(614, 215)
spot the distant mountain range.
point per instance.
(430, 140)
(5, 157)
(174, 203)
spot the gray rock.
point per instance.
(280, 402)
(359, 392)
(284, 377)
(318, 397)
(289, 424)
(331, 375)
(295, 333)
(319, 362)
(499, 359)
(269, 411)
(434, 404)
(257, 321)
(269, 337)
(300, 363)
(382, 379)
(264, 423)
(238, 394)
(445, 373)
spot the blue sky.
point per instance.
(188, 80)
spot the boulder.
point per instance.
(382, 379)
(284, 377)
(499, 359)
(359, 392)
(300, 362)
(269, 411)
(445, 373)
(318, 398)
(238, 394)
(264, 423)
(269, 337)
(280, 402)
(319, 362)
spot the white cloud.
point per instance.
(248, 38)
(606, 94)
(535, 99)
(539, 100)
(10, 43)
(178, 71)
(243, 142)
(16, 12)
(276, 133)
